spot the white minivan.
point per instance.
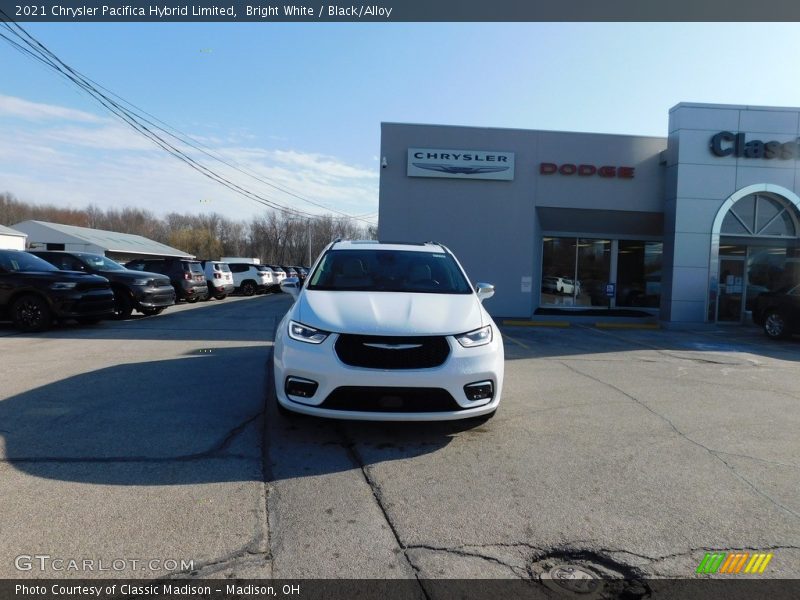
(388, 332)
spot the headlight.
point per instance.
(63, 285)
(304, 333)
(141, 282)
(479, 337)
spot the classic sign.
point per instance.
(727, 143)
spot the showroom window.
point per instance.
(575, 272)
(639, 273)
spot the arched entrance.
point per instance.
(755, 248)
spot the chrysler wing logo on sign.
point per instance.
(460, 164)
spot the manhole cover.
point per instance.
(588, 576)
(572, 578)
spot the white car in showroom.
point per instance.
(390, 332)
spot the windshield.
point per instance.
(389, 271)
(11, 262)
(100, 263)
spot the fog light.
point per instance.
(303, 388)
(480, 390)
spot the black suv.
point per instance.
(778, 312)
(33, 293)
(186, 275)
(149, 293)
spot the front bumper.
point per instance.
(153, 297)
(74, 304)
(320, 363)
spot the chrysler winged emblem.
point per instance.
(394, 346)
(459, 170)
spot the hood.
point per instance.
(131, 274)
(389, 313)
(78, 276)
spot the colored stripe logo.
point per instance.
(734, 562)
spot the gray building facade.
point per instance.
(688, 228)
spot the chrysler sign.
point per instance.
(460, 164)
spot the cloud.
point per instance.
(103, 162)
(325, 165)
(11, 106)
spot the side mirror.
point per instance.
(291, 286)
(484, 291)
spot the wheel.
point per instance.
(153, 311)
(248, 288)
(31, 313)
(123, 307)
(192, 300)
(775, 325)
(221, 296)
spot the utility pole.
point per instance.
(309, 242)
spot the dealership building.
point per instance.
(690, 228)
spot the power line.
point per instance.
(42, 54)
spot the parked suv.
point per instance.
(778, 312)
(186, 275)
(391, 332)
(249, 278)
(33, 293)
(219, 278)
(280, 274)
(149, 293)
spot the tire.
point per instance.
(153, 311)
(123, 307)
(31, 313)
(221, 296)
(192, 300)
(248, 288)
(775, 325)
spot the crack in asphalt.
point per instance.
(206, 568)
(262, 538)
(377, 493)
(459, 551)
(215, 452)
(713, 453)
(764, 460)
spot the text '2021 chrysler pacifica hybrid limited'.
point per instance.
(384, 331)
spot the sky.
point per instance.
(299, 105)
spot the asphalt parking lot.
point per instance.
(634, 452)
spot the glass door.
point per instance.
(731, 290)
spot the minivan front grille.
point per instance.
(392, 352)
